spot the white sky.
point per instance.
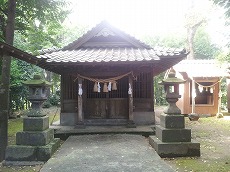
(144, 17)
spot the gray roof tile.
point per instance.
(103, 55)
(108, 54)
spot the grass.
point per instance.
(213, 135)
(14, 126)
(199, 165)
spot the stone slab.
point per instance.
(106, 153)
(35, 123)
(172, 121)
(20, 153)
(175, 149)
(22, 163)
(173, 135)
(35, 138)
(44, 153)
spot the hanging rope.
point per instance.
(113, 79)
(209, 86)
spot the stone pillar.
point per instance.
(131, 123)
(172, 138)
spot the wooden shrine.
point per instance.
(106, 76)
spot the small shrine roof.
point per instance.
(202, 68)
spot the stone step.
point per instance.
(106, 122)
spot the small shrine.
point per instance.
(172, 138)
(36, 142)
(201, 93)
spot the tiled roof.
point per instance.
(202, 68)
(99, 27)
(111, 54)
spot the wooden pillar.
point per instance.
(131, 123)
(193, 96)
(62, 93)
(80, 120)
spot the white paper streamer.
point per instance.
(80, 91)
(110, 86)
(98, 87)
(130, 91)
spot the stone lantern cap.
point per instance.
(37, 81)
(172, 79)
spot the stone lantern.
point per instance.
(171, 87)
(36, 143)
(172, 138)
(37, 94)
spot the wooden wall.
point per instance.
(68, 94)
(109, 105)
(184, 102)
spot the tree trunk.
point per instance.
(5, 85)
(190, 35)
(191, 32)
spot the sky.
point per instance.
(146, 17)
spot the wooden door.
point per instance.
(106, 108)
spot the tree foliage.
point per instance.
(30, 14)
(173, 41)
(203, 46)
(37, 26)
(225, 4)
(159, 93)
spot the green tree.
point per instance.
(172, 41)
(23, 16)
(203, 46)
(194, 20)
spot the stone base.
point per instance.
(35, 123)
(144, 118)
(44, 153)
(131, 124)
(173, 135)
(172, 121)
(67, 119)
(80, 125)
(174, 149)
(31, 153)
(35, 138)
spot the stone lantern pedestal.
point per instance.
(172, 138)
(36, 143)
